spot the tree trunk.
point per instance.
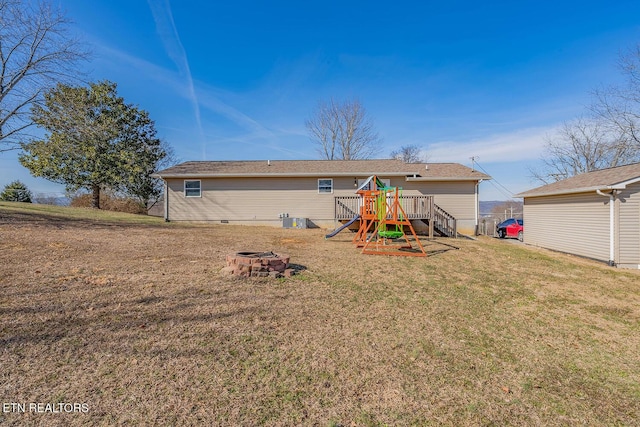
(95, 201)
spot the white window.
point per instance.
(325, 186)
(192, 188)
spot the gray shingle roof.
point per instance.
(320, 168)
(612, 178)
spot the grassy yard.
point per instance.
(132, 317)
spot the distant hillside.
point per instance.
(56, 201)
(506, 209)
(488, 205)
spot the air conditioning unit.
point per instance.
(294, 222)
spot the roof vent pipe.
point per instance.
(268, 162)
(611, 197)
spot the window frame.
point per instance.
(325, 186)
(186, 194)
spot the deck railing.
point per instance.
(415, 207)
(346, 207)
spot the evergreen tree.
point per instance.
(16, 192)
(93, 141)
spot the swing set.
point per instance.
(383, 222)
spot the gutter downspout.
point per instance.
(611, 197)
(166, 201)
(477, 203)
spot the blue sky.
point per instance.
(234, 80)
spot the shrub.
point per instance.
(16, 192)
(109, 202)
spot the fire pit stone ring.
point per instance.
(258, 264)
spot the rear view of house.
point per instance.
(595, 215)
(320, 191)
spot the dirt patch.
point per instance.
(138, 323)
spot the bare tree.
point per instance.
(343, 131)
(580, 146)
(36, 52)
(619, 106)
(409, 154)
(609, 137)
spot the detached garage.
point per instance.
(595, 215)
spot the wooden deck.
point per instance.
(416, 207)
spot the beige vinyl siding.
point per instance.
(457, 198)
(261, 201)
(628, 250)
(256, 200)
(576, 224)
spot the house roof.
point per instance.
(322, 168)
(605, 179)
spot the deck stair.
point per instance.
(443, 222)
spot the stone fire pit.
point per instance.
(258, 264)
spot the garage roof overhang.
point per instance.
(620, 186)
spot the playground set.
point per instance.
(382, 222)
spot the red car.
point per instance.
(511, 228)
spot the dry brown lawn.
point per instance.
(135, 321)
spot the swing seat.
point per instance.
(390, 234)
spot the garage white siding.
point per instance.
(576, 224)
(628, 232)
